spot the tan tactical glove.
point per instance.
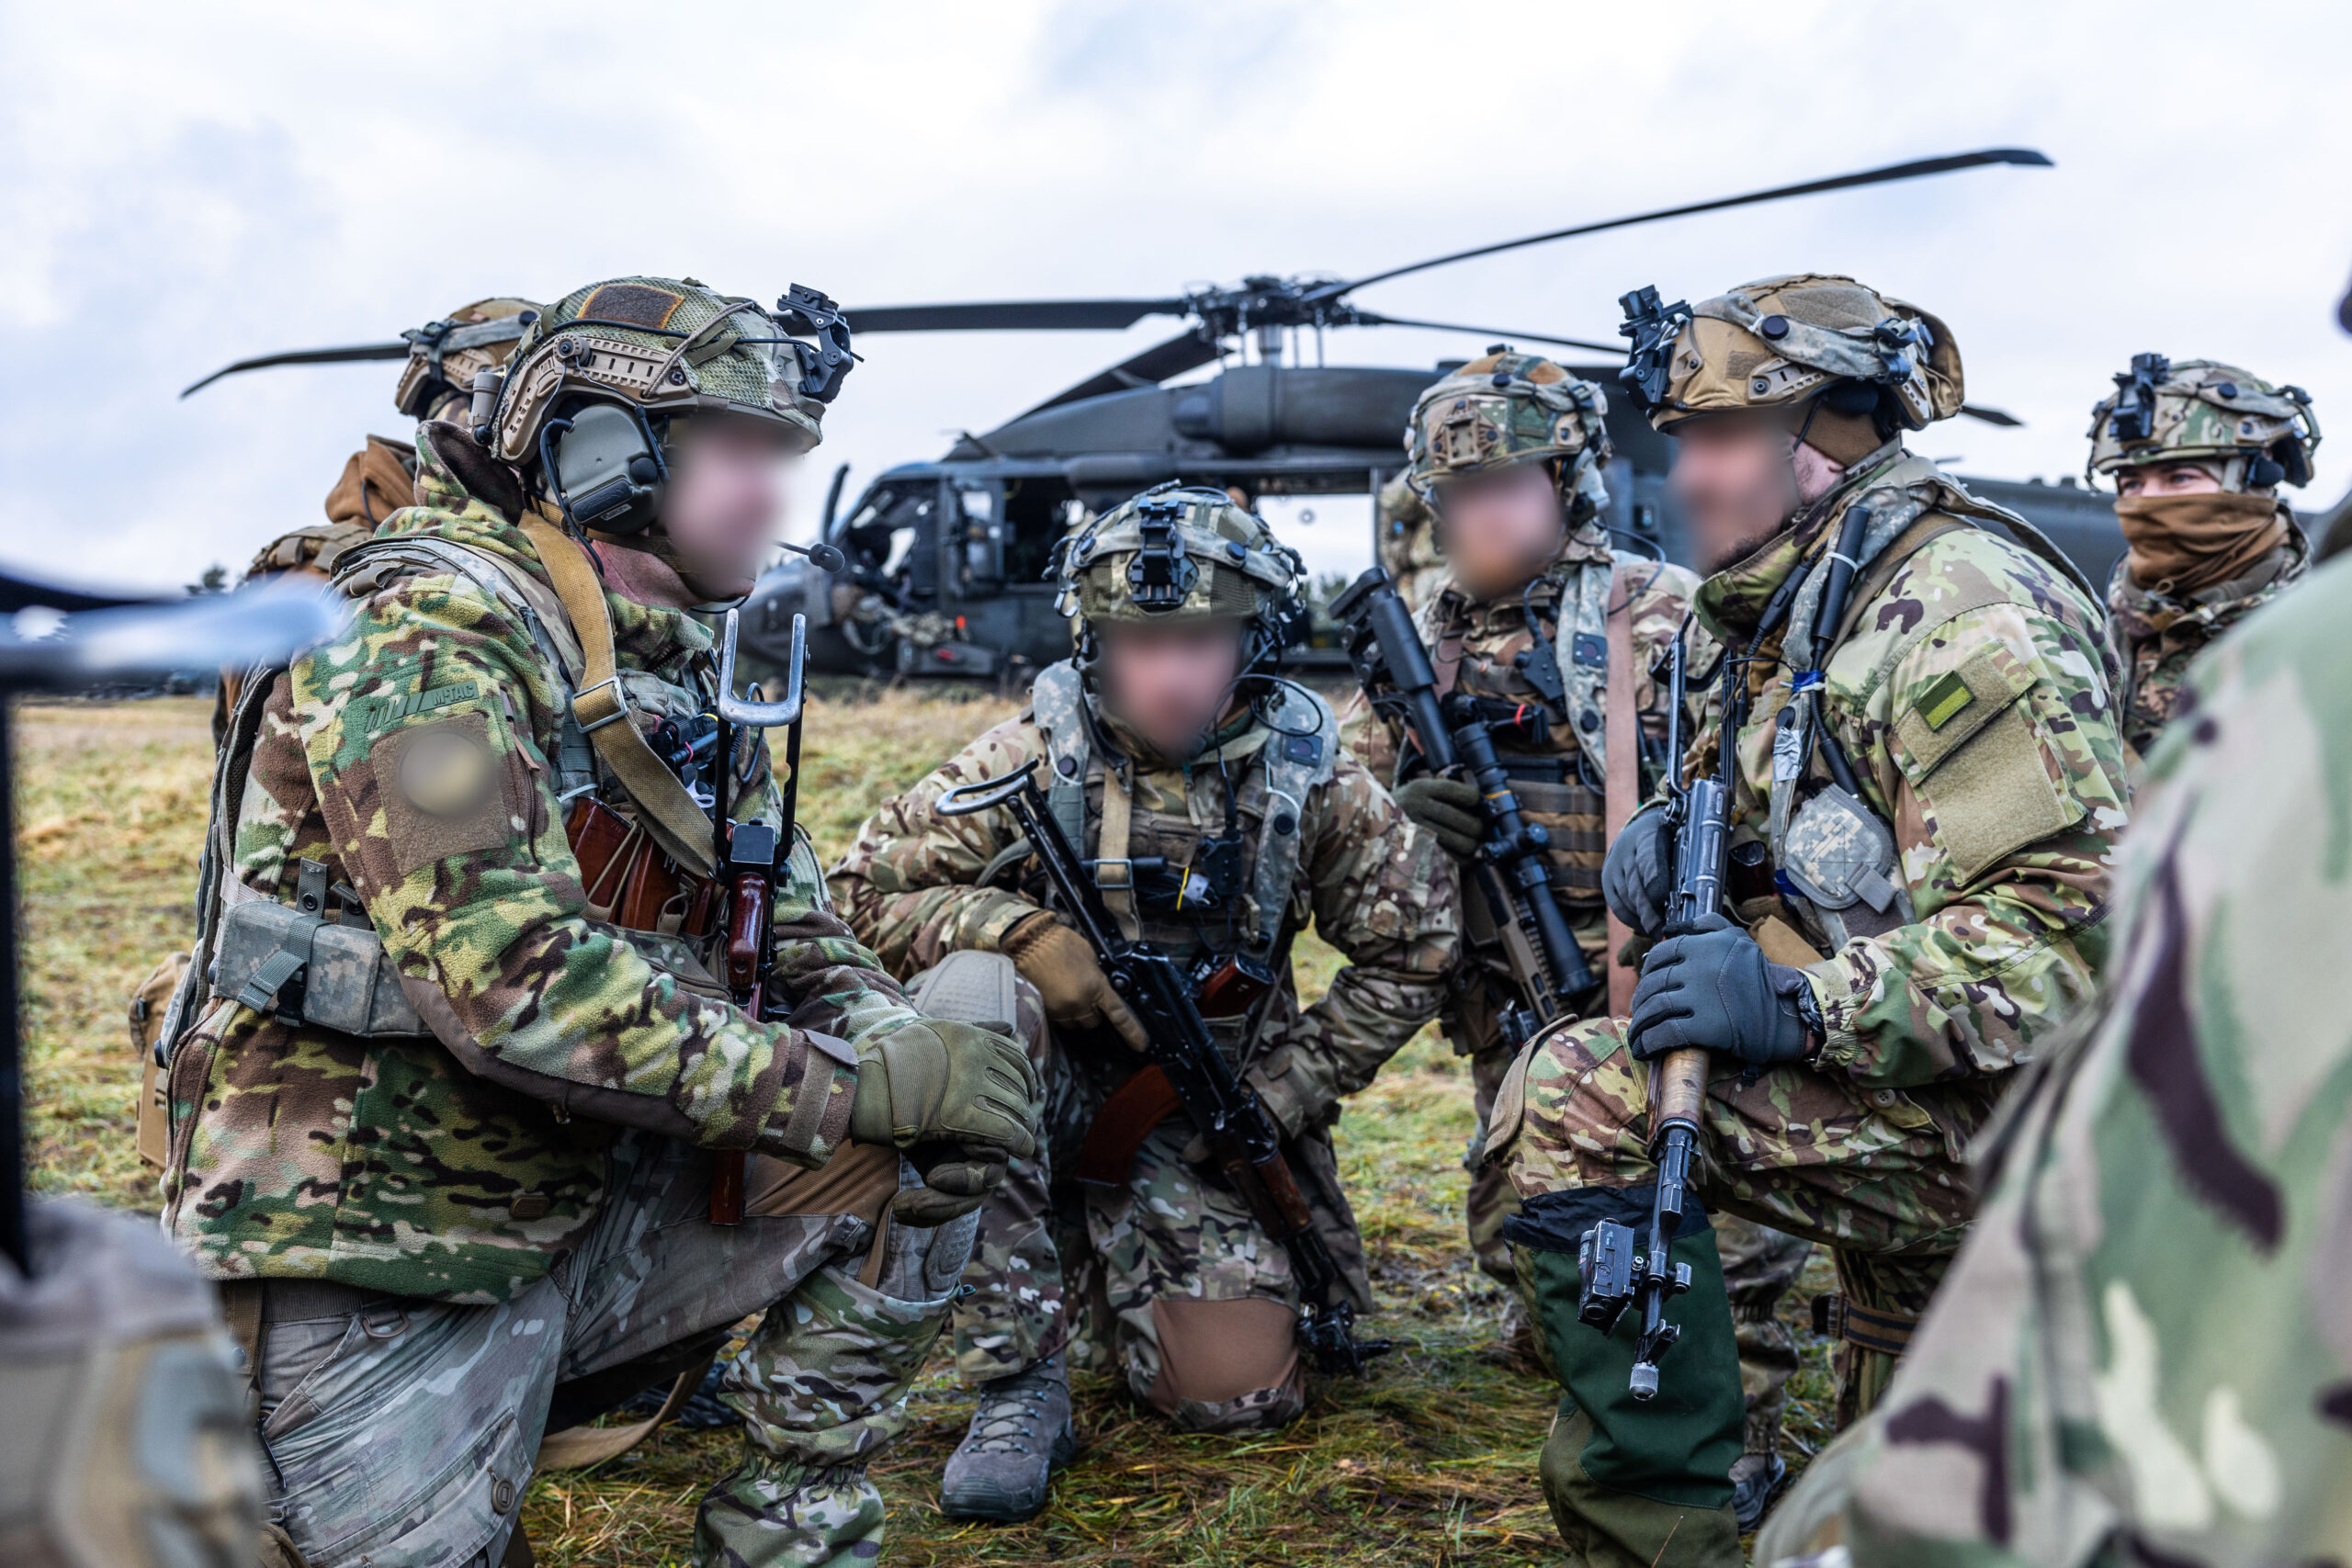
(960, 1098)
(1076, 992)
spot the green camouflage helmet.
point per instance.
(1780, 343)
(660, 347)
(444, 356)
(2200, 410)
(1181, 553)
(1505, 408)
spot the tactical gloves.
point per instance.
(1448, 809)
(1713, 987)
(1639, 873)
(960, 1098)
(1068, 977)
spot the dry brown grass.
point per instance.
(1428, 1460)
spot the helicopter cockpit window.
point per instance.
(882, 536)
(1037, 512)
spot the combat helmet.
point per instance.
(1851, 366)
(1504, 407)
(1182, 553)
(445, 356)
(2201, 411)
(585, 406)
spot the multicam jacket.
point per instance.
(2154, 635)
(1482, 649)
(415, 758)
(1376, 887)
(2143, 1355)
(1971, 694)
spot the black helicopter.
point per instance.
(945, 560)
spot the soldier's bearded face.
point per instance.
(1739, 481)
(2167, 478)
(725, 500)
(1170, 684)
(1500, 526)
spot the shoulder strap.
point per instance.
(669, 814)
(1580, 647)
(1056, 704)
(232, 765)
(1620, 773)
(1296, 764)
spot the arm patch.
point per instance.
(1976, 754)
(445, 790)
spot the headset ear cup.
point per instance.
(2262, 473)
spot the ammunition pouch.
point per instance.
(305, 968)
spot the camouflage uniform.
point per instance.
(1960, 905)
(1189, 1277)
(2142, 1354)
(2164, 602)
(488, 1177)
(1408, 550)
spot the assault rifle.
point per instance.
(1244, 1140)
(1514, 867)
(1616, 1275)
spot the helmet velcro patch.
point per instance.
(638, 304)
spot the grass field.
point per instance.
(1430, 1460)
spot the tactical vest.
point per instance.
(1559, 785)
(250, 947)
(1288, 765)
(1834, 857)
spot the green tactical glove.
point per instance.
(938, 1082)
(955, 1180)
(1449, 809)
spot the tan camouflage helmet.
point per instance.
(657, 345)
(2255, 434)
(1181, 553)
(1780, 343)
(444, 356)
(1505, 408)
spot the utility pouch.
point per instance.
(1841, 858)
(275, 958)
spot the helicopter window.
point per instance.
(1037, 512)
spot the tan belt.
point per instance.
(1887, 1333)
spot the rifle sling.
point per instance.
(669, 813)
(1620, 771)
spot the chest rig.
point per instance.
(1276, 778)
(1833, 857)
(1547, 702)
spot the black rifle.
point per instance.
(1245, 1142)
(1616, 1274)
(1514, 866)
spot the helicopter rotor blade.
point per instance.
(353, 354)
(1369, 319)
(1012, 315)
(2023, 157)
(2002, 418)
(1186, 351)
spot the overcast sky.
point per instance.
(188, 184)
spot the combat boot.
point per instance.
(1021, 1434)
(1754, 1479)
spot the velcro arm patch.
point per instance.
(445, 788)
(1977, 756)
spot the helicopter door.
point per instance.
(978, 535)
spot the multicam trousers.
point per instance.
(1196, 1303)
(402, 1431)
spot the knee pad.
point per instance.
(1227, 1365)
(969, 987)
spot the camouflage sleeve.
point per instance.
(908, 886)
(1997, 762)
(2068, 1400)
(1370, 739)
(421, 727)
(1384, 893)
(1658, 599)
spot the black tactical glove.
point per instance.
(1713, 987)
(1639, 873)
(1449, 809)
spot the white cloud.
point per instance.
(186, 185)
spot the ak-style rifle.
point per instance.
(1513, 870)
(1244, 1140)
(1617, 1273)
